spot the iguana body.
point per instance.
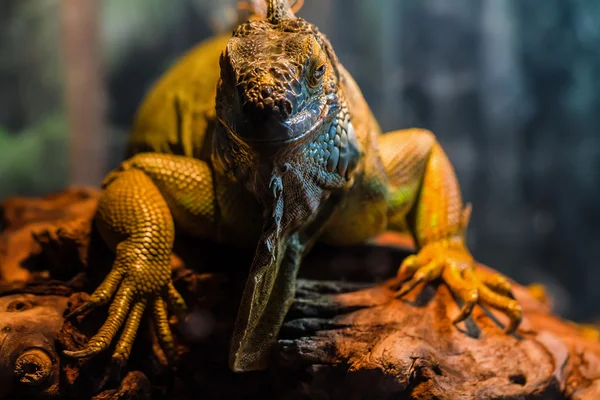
(179, 110)
(276, 151)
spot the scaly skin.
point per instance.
(290, 155)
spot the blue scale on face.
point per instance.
(335, 148)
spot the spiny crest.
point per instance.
(278, 10)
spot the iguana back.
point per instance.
(180, 107)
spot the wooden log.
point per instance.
(346, 336)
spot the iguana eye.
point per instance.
(316, 77)
(315, 74)
(320, 70)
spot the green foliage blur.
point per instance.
(34, 137)
(35, 160)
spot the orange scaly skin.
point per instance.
(284, 153)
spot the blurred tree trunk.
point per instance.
(85, 95)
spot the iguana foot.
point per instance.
(133, 214)
(451, 261)
(126, 311)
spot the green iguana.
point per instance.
(273, 147)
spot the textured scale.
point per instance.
(263, 139)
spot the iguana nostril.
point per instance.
(260, 104)
(287, 107)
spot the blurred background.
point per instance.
(510, 87)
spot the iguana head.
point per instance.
(279, 82)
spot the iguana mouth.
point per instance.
(298, 128)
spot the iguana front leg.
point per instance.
(136, 214)
(424, 194)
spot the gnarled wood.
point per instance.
(346, 336)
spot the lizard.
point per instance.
(285, 154)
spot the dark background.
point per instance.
(510, 87)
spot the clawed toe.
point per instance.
(467, 284)
(89, 350)
(407, 287)
(127, 311)
(175, 302)
(82, 309)
(163, 330)
(465, 311)
(417, 273)
(101, 295)
(505, 304)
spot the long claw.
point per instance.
(88, 351)
(123, 349)
(409, 267)
(88, 305)
(101, 295)
(116, 316)
(516, 316)
(466, 310)
(176, 302)
(509, 306)
(465, 289)
(407, 287)
(163, 330)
